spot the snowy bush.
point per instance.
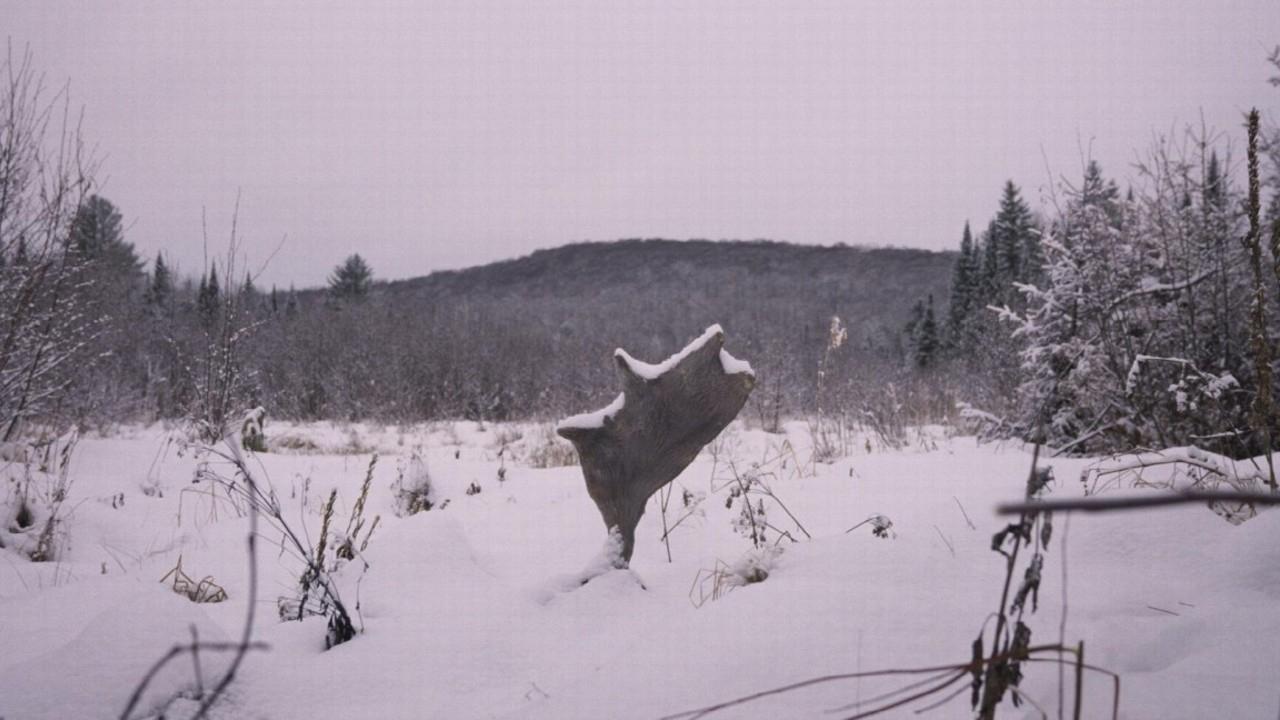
(251, 430)
(34, 517)
(413, 491)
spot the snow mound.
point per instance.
(92, 675)
(593, 420)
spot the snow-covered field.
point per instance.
(472, 610)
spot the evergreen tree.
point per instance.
(1105, 194)
(1078, 343)
(351, 280)
(210, 295)
(160, 292)
(291, 303)
(97, 237)
(990, 281)
(1214, 191)
(1015, 239)
(963, 285)
(925, 344)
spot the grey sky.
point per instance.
(437, 135)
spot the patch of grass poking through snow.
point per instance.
(203, 591)
(346, 547)
(721, 579)
(552, 451)
(881, 526)
(314, 585)
(318, 592)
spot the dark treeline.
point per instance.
(526, 338)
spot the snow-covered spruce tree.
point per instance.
(1011, 249)
(1069, 373)
(964, 289)
(981, 353)
(1195, 376)
(1128, 338)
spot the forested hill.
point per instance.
(862, 285)
(533, 335)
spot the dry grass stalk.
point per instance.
(204, 591)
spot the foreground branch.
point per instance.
(1180, 497)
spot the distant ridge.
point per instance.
(857, 282)
(534, 336)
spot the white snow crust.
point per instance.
(463, 616)
(593, 420)
(653, 372)
(734, 366)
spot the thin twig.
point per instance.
(965, 514)
(945, 540)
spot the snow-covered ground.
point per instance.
(472, 610)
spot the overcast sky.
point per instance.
(430, 135)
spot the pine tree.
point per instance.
(1014, 236)
(160, 291)
(1214, 192)
(1075, 334)
(351, 280)
(925, 344)
(209, 296)
(291, 303)
(964, 277)
(989, 279)
(97, 237)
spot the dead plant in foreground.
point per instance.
(317, 591)
(204, 591)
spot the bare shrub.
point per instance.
(45, 174)
(317, 593)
